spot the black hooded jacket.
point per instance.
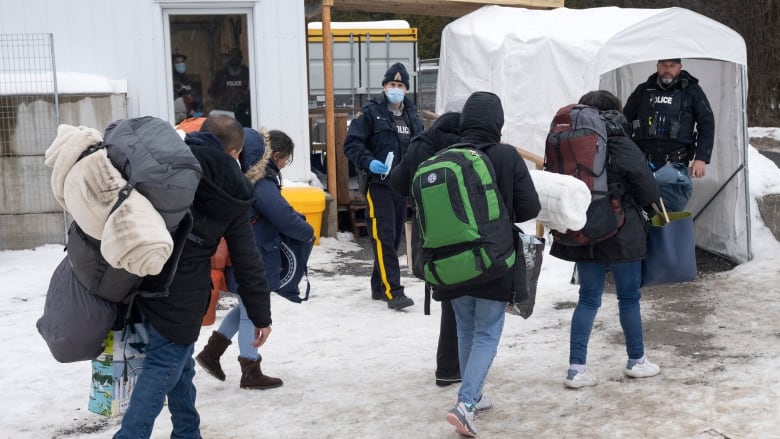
(442, 133)
(220, 208)
(628, 169)
(480, 125)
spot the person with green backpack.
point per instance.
(479, 302)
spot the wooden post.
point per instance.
(330, 128)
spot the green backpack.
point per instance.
(464, 228)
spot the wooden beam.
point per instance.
(441, 8)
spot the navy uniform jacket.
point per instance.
(372, 135)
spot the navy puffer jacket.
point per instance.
(272, 214)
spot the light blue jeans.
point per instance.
(167, 371)
(480, 323)
(237, 320)
(628, 277)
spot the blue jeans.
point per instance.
(167, 370)
(237, 320)
(628, 276)
(480, 323)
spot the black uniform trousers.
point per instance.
(386, 213)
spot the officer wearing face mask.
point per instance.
(375, 141)
(230, 88)
(185, 100)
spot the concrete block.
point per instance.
(330, 221)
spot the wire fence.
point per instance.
(29, 117)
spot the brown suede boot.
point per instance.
(252, 377)
(208, 358)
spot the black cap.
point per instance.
(674, 60)
(397, 72)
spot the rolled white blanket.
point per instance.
(564, 200)
(90, 191)
(63, 153)
(135, 237)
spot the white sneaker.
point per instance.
(462, 418)
(483, 404)
(642, 370)
(576, 380)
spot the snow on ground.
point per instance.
(354, 369)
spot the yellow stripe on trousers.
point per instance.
(379, 255)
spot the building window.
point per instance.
(210, 65)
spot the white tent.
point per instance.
(538, 61)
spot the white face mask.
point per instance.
(180, 67)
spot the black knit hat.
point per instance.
(674, 60)
(397, 72)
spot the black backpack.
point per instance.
(577, 145)
(464, 227)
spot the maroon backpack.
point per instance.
(577, 145)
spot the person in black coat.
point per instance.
(673, 124)
(444, 131)
(386, 125)
(627, 173)
(262, 159)
(220, 207)
(480, 310)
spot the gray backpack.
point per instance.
(155, 161)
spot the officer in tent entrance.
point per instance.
(674, 126)
(376, 140)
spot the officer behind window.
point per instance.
(673, 124)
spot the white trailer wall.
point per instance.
(127, 40)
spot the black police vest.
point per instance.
(665, 116)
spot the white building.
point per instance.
(133, 41)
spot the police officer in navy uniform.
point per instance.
(673, 124)
(386, 125)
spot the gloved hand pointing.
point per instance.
(377, 167)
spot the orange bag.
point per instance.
(219, 261)
(191, 124)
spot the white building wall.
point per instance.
(125, 39)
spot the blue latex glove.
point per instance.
(377, 167)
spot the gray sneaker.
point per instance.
(400, 302)
(483, 404)
(462, 418)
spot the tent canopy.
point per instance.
(538, 61)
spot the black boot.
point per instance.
(208, 358)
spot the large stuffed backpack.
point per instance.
(155, 161)
(464, 227)
(577, 146)
(85, 291)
